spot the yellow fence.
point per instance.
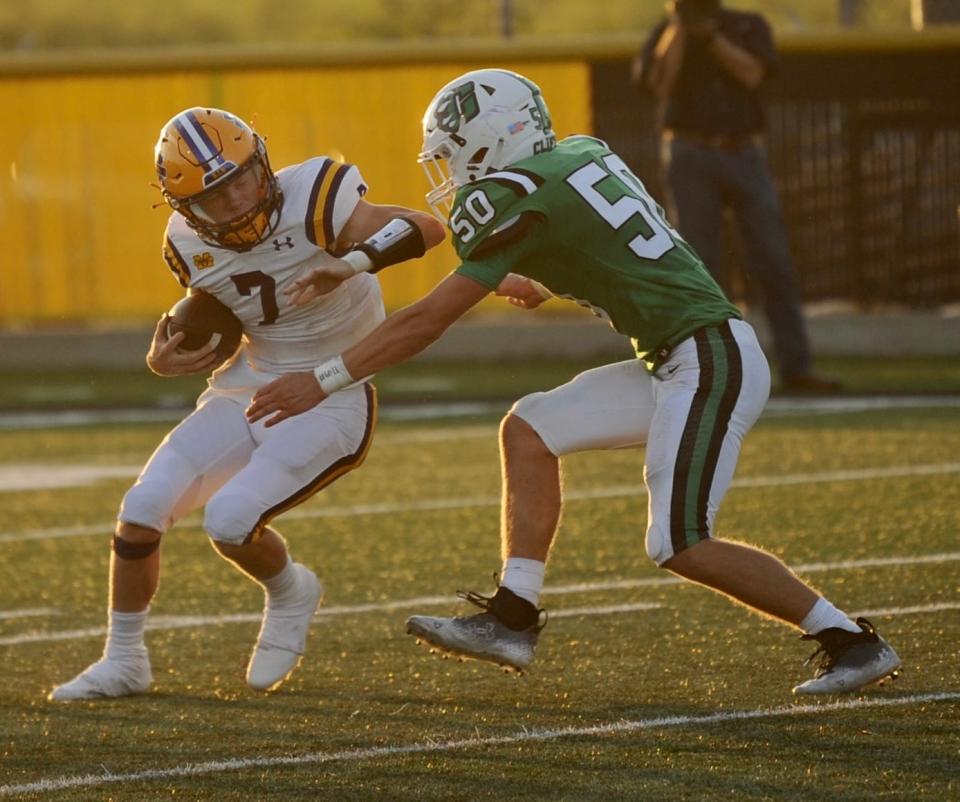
(81, 240)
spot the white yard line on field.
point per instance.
(610, 609)
(19, 421)
(419, 412)
(26, 476)
(436, 504)
(835, 405)
(161, 622)
(472, 743)
(167, 622)
(18, 477)
(29, 612)
(921, 608)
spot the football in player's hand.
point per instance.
(201, 316)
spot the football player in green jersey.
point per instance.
(533, 218)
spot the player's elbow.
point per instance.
(425, 328)
(432, 229)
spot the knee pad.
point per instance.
(133, 550)
(526, 409)
(530, 410)
(149, 504)
(659, 546)
(232, 518)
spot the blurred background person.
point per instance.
(706, 64)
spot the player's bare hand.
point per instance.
(521, 291)
(285, 397)
(319, 281)
(165, 359)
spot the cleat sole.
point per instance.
(893, 676)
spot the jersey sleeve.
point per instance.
(490, 265)
(336, 191)
(174, 259)
(492, 212)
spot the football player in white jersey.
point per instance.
(244, 234)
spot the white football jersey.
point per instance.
(319, 196)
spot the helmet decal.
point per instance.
(457, 107)
(209, 154)
(540, 115)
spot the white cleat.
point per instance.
(106, 679)
(850, 660)
(283, 635)
(479, 637)
(486, 635)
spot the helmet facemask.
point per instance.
(436, 164)
(248, 228)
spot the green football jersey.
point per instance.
(577, 220)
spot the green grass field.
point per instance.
(643, 688)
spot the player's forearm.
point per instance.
(737, 61)
(400, 337)
(404, 334)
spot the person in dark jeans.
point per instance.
(705, 64)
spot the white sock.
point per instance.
(283, 589)
(125, 635)
(524, 578)
(824, 615)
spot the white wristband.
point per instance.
(358, 260)
(333, 375)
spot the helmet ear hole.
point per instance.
(478, 156)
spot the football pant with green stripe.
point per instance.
(692, 415)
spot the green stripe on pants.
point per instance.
(695, 525)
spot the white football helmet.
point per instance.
(477, 124)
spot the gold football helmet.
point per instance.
(214, 170)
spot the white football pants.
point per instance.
(692, 415)
(245, 474)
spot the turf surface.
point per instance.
(694, 690)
